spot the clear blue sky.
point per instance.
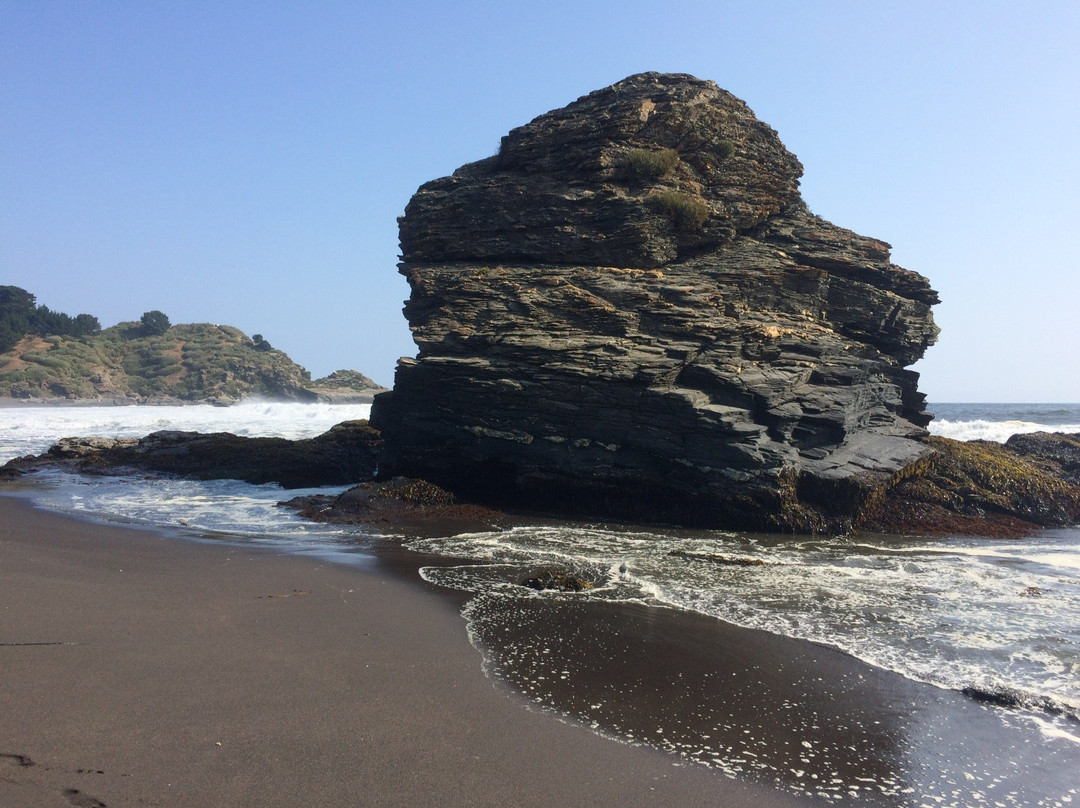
(245, 162)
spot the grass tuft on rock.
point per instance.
(687, 213)
(644, 165)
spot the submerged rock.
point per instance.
(630, 312)
(415, 506)
(1001, 696)
(558, 580)
(721, 559)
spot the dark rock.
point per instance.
(397, 504)
(1011, 699)
(974, 488)
(557, 580)
(590, 345)
(557, 192)
(83, 448)
(1055, 452)
(999, 698)
(344, 454)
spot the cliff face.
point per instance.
(630, 312)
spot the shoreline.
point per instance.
(19, 403)
(139, 667)
(271, 653)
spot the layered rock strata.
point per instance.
(630, 312)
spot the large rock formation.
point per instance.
(629, 311)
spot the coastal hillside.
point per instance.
(133, 363)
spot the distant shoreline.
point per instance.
(17, 403)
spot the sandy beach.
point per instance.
(145, 670)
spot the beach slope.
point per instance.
(140, 670)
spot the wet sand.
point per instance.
(144, 670)
(770, 709)
(141, 669)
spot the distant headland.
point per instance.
(49, 357)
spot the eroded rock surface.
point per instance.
(630, 312)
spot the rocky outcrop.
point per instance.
(345, 454)
(629, 311)
(981, 488)
(1056, 453)
(344, 387)
(402, 506)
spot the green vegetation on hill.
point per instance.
(20, 315)
(151, 360)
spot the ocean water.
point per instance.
(995, 617)
(32, 430)
(997, 422)
(222, 509)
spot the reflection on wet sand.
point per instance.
(804, 717)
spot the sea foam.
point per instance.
(999, 431)
(998, 422)
(32, 430)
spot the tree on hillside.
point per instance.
(16, 301)
(85, 325)
(9, 335)
(17, 306)
(154, 323)
(20, 315)
(44, 321)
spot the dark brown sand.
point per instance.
(142, 670)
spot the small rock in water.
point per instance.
(560, 580)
